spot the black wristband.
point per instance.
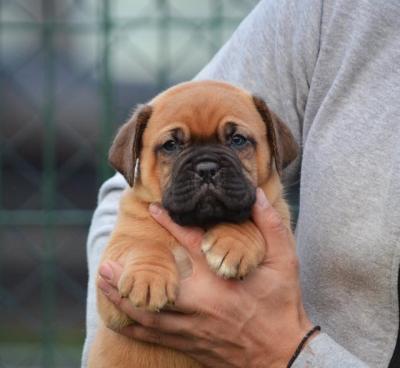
(302, 343)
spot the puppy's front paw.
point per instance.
(148, 286)
(233, 250)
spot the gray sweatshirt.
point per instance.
(331, 70)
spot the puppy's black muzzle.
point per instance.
(208, 186)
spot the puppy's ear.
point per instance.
(283, 145)
(127, 144)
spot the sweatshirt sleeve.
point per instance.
(272, 54)
(103, 222)
(324, 352)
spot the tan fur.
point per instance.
(144, 248)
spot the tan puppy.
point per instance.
(201, 149)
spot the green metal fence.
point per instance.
(70, 72)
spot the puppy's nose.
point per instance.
(207, 169)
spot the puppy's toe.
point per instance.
(152, 290)
(126, 283)
(139, 294)
(220, 259)
(158, 297)
(246, 265)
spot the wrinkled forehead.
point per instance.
(202, 107)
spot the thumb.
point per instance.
(189, 237)
(278, 238)
(111, 272)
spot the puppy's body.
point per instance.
(207, 175)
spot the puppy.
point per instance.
(200, 149)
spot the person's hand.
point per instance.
(257, 322)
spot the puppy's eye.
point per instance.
(238, 140)
(170, 146)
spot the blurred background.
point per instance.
(70, 73)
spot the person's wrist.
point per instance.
(279, 355)
(304, 341)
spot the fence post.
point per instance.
(163, 47)
(48, 186)
(106, 89)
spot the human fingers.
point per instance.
(189, 237)
(279, 240)
(111, 272)
(156, 336)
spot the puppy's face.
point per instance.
(203, 148)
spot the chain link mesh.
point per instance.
(70, 72)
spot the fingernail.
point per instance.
(155, 209)
(106, 272)
(261, 199)
(104, 286)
